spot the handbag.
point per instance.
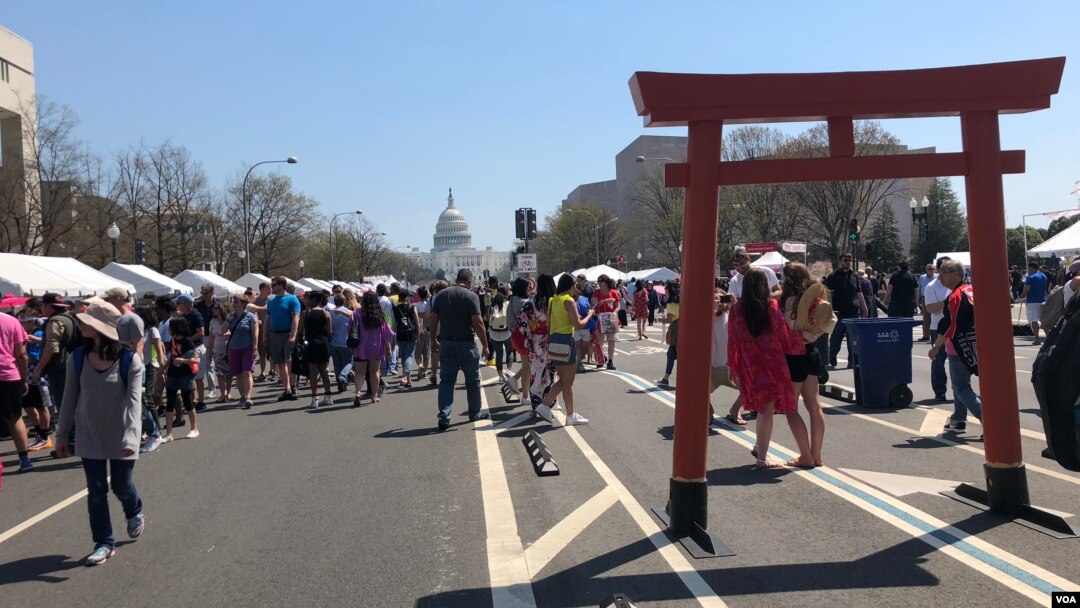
(353, 340)
(558, 351)
(608, 323)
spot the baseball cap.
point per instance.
(117, 292)
(1074, 267)
(182, 298)
(54, 299)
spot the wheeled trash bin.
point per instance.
(881, 349)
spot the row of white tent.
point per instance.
(649, 275)
(29, 275)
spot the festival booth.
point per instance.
(772, 260)
(592, 274)
(309, 284)
(653, 275)
(146, 280)
(34, 275)
(1064, 243)
(387, 279)
(252, 280)
(197, 278)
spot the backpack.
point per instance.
(125, 363)
(70, 341)
(1052, 310)
(403, 317)
(1057, 387)
(498, 317)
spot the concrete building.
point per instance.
(18, 185)
(453, 248)
(614, 195)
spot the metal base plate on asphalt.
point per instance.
(1032, 517)
(700, 543)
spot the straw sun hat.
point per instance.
(102, 316)
(815, 310)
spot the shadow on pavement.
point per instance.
(38, 569)
(405, 434)
(746, 475)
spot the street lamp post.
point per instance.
(113, 231)
(919, 218)
(301, 269)
(292, 160)
(333, 270)
(596, 228)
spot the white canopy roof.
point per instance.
(654, 274)
(594, 273)
(963, 257)
(36, 275)
(310, 284)
(772, 259)
(146, 280)
(386, 279)
(251, 280)
(1066, 242)
(196, 278)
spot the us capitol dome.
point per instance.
(453, 249)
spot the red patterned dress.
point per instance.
(759, 363)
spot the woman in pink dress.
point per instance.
(641, 308)
(758, 340)
(369, 325)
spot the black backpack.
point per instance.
(71, 340)
(1057, 387)
(403, 319)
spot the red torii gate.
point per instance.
(977, 94)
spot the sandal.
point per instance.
(794, 462)
(356, 401)
(768, 464)
(735, 419)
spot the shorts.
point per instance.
(179, 383)
(241, 360)
(221, 363)
(1033, 310)
(517, 341)
(36, 398)
(582, 335)
(11, 399)
(721, 376)
(803, 366)
(204, 363)
(278, 347)
(568, 340)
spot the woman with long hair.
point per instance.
(641, 308)
(218, 347)
(535, 311)
(499, 331)
(315, 328)
(606, 304)
(104, 408)
(758, 340)
(374, 333)
(803, 369)
(244, 335)
(563, 320)
(406, 322)
(519, 294)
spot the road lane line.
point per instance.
(511, 582)
(1023, 577)
(702, 592)
(512, 422)
(540, 553)
(623, 352)
(63, 504)
(933, 423)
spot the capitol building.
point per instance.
(453, 249)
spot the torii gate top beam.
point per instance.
(666, 99)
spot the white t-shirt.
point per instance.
(935, 292)
(735, 286)
(719, 341)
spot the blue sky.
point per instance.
(512, 104)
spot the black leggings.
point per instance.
(170, 399)
(500, 349)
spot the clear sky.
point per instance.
(512, 104)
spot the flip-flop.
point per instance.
(768, 464)
(735, 420)
(794, 462)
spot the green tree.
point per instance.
(1014, 237)
(946, 224)
(1061, 224)
(885, 251)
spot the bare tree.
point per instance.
(176, 201)
(659, 222)
(763, 212)
(576, 237)
(280, 221)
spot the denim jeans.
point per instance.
(964, 397)
(342, 357)
(390, 365)
(151, 426)
(838, 336)
(938, 379)
(456, 356)
(97, 501)
(672, 354)
(406, 349)
(500, 349)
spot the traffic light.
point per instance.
(530, 223)
(853, 230)
(140, 251)
(519, 224)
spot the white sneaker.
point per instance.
(558, 406)
(314, 403)
(167, 438)
(545, 412)
(150, 445)
(192, 435)
(514, 384)
(327, 400)
(576, 419)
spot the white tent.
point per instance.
(251, 280)
(385, 279)
(773, 260)
(592, 274)
(196, 278)
(36, 275)
(1066, 242)
(650, 275)
(146, 280)
(310, 284)
(963, 257)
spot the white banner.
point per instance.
(793, 247)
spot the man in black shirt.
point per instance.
(455, 324)
(185, 307)
(847, 302)
(900, 295)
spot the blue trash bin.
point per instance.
(882, 351)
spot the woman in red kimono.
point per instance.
(758, 340)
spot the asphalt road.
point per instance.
(281, 506)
